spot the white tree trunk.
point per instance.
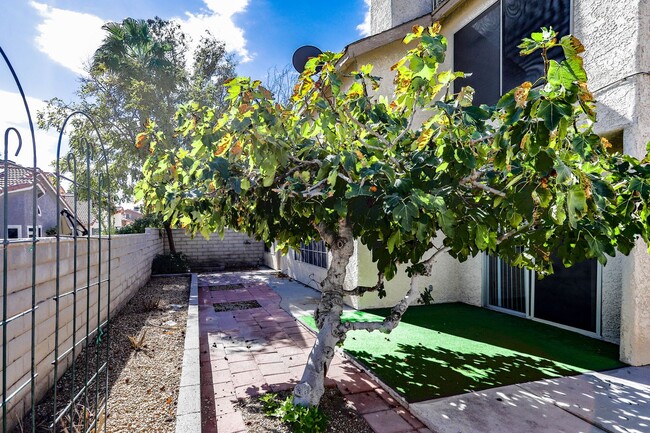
(328, 318)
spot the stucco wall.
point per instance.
(130, 269)
(635, 308)
(235, 249)
(20, 210)
(386, 14)
(312, 275)
(15, 211)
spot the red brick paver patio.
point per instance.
(248, 352)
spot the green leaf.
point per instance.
(544, 196)
(584, 145)
(404, 213)
(564, 173)
(552, 112)
(393, 240)
(577, 203)
(482, 237)
(447, 219)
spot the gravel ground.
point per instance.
(341, 418)
(143, 381)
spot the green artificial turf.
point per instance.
(448, 349)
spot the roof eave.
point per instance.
(372, 42)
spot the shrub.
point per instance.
(138, 226)
(170, 264)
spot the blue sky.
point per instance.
(48, 41)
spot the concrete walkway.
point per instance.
(616, 401)
(251, 351)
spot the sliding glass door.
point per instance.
(570, 297)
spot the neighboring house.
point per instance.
(86, 215)
(124, 217)
(610, 302)
(20, 209)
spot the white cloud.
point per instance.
(364, 27)
(67, 37)
(12, 114)
(218, 20)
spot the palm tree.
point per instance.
(131, 52)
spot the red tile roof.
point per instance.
(18, 177)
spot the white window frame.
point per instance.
(39, 231)
(20, 230)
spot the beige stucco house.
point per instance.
(610, 302)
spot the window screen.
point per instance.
(476, 51)
(314, 253)
(520, 19)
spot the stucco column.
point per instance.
(635, 306)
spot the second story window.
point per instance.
(487, 46)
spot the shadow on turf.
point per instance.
(419, 373)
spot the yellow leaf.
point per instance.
(435, 28)
(140, 139)
(236, 149)
(521, 94)
(424, 138)
(224, 145)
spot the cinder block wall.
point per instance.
(130, 269)
(235, 249)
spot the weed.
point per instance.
(302, 419)
(138, 342)
(150, 304)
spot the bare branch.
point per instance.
(410, 123)
(390, 322)
(311, 192)
(361, 290)
(366, 128)
(473, 181)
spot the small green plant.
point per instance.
(426, 298)
(139, 225)
(170, 264)
(301, 419)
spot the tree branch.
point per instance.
(473, 181)
(361, 290)
(365, 128)
(390, 322)
(311, 192)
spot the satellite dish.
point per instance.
(303, 54)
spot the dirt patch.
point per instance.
(232, 306)
(143, 379)
(341, 417)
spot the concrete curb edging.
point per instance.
(188, 409)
